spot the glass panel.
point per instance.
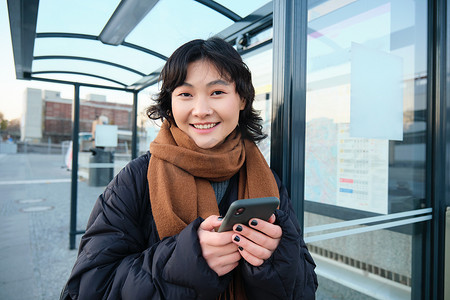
(364, 266)
(147, 129)
(173, 22)
(98, 69)
(366, 127)
(81, 16)
(134, 59)
(260, 65)
(105, 135)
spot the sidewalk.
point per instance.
(35, 260)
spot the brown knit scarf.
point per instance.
(179, 173)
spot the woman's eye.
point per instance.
(216, 93)
(184, 94)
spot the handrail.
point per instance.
(367, 220)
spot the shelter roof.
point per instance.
(124, 44)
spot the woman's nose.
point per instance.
(202, 107)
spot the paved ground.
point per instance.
(35, 260)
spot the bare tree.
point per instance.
(3, 122)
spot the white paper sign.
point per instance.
(376, 109)
(106, 136)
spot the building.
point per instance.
(48, 117)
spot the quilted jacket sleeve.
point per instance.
(121, 257)
(289, 273)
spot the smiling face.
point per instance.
(206, 106)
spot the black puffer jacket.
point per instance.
(122, 257)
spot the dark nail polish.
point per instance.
(239, 228)
(240, 248)
(254, 223)
(237, 239)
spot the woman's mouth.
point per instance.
(204, 126)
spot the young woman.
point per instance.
(152, 233)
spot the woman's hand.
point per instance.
(257, 242)
(218, 250)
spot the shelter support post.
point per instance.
(289, 97)
(134, 131)
(75, 148)
(447, 255)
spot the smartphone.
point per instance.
(241, 211)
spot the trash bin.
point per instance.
(101, 169)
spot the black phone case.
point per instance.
(241, 211)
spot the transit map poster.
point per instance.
(345, 171)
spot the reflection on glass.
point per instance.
(260, 65)
(105, 135)
(354, 262)
(147, 129)
(365, 135)
(365, 99)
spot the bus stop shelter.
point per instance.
(121, 45)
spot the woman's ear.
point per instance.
(243, 102)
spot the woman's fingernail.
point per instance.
(239, 228)
(254, 223)
(219, 218)
(237, 239)
(240, 248)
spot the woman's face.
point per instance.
(206, 106)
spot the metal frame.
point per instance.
(79, 73)
(81, 84)
(134, 130)
(44, 57)
(137, 86)
(95, 38)
(438, 153)
(447, 255)
(289, 97)
(221, 10)
(287, 156)
(252, 24)
(75, 147)
(125, 18)
(23, 31)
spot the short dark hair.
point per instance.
(230, 66)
